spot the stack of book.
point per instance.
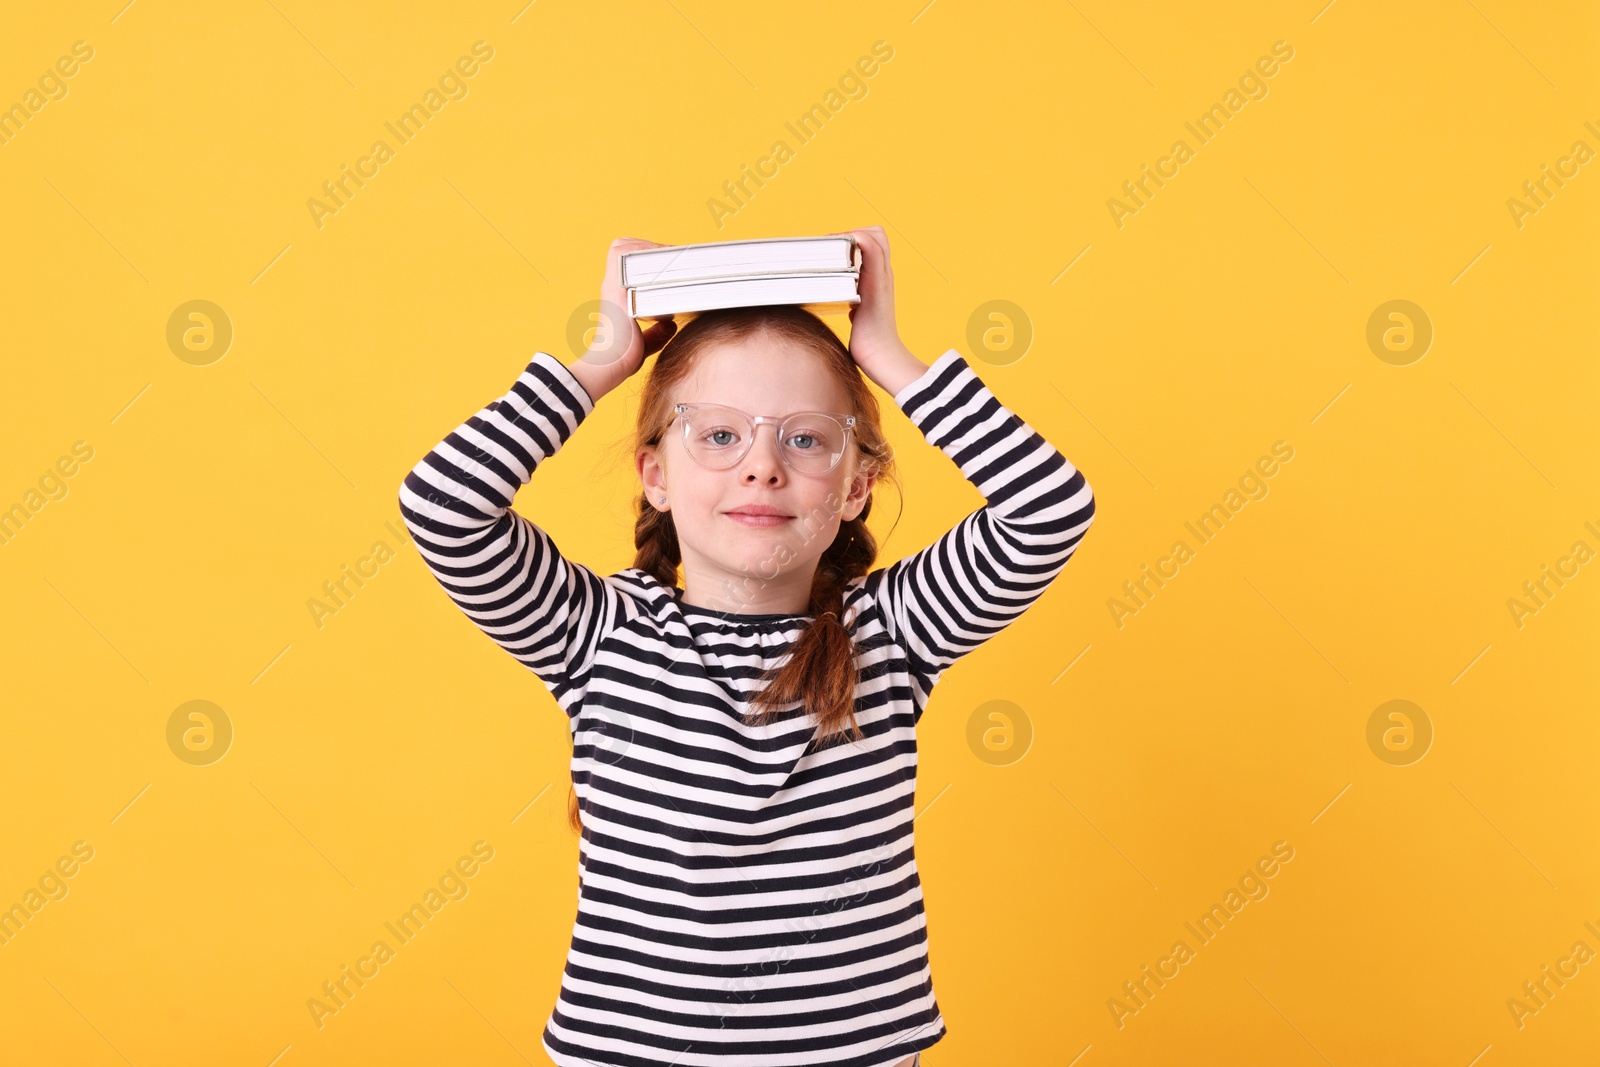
(821, 274)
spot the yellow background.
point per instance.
(1227, 314)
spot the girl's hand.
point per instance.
(874, 338)
(619, 346)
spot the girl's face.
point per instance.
(755, 568)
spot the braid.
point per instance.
(821, 668)
(655, 538)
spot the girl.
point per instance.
(744, 748)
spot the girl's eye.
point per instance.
(804, 437)
(712, 437)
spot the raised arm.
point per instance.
(504, 572)
(952, 596)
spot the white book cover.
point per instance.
(725, 259)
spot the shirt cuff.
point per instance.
(558, 369)
(928, 378)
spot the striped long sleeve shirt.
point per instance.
(747, 897)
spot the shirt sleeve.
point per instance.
(946, 600)
(504, 572)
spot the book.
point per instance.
(723, 259)
(822, 293)
(819, 273)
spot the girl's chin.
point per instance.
(749, 551)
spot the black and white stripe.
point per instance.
(746, 897)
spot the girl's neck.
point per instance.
(784, 594)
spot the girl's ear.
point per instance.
(651, 474)
(861, 484)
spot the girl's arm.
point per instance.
(499, 568)
(952, 596)
(504, 572)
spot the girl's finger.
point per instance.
(658, 335)
(873, 246)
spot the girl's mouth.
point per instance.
(747, 518)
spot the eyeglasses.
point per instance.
(717, 436)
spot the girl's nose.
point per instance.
(765, 457)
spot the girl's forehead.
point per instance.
(763, 378)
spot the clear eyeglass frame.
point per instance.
(847, 422)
